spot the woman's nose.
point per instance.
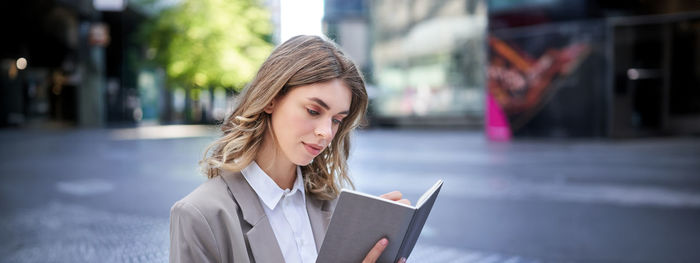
(324, 129)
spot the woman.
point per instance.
(275, 172)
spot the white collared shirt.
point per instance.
(286, 211)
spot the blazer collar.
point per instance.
(263, 242)
(245, 197)
(261, 237)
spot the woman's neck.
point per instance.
(275, 164)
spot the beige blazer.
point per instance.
(223, 220)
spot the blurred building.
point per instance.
(66, 62)
(347, 23)
(594, 68)
(428, 61)
(575, 68)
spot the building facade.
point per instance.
(589, 68)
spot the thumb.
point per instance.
(376, 251)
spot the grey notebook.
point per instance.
(360, 220)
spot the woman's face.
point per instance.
(305, 120)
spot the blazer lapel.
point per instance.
(261, 237)
(320, 216)
(263, 243)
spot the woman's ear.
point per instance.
(270, 106)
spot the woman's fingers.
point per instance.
(376, 251)
(393, 196)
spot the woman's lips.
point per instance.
(313, 149)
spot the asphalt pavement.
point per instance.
(103, 195)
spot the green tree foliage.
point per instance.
(209, 43)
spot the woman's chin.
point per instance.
(303, 161)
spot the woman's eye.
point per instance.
(336, 121)
(312, 112)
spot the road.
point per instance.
(104, 195)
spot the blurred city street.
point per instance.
(103, 195)
(564, 130)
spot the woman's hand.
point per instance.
(396, 196)
(377, 250)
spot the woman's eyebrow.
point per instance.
(323, 104)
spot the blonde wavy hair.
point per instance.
(302, 60)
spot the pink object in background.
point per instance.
(497, 127)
